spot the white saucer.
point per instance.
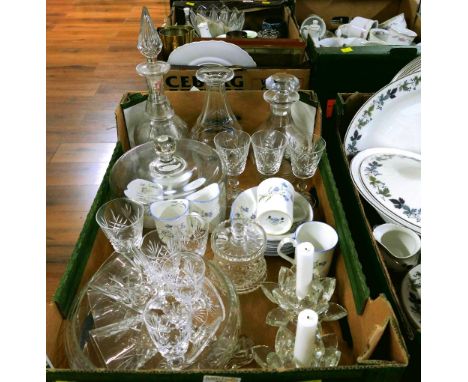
(210, 52)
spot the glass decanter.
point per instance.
(281, 95)
(216, 115)
(159, 117)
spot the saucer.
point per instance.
(245, 206)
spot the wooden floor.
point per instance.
(91, 59)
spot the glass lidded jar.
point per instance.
(216, 115)
(239, 246)
(176, 169)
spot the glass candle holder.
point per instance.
(317, 297)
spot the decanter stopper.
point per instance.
(149, 43)
(282, 88)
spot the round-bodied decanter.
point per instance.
(281, 95)
(216, 115)
(159, 117)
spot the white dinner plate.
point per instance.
(210, 52)
(390, 180)
(390, 118)
(411, 295)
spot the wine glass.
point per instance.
(233, 148)
(305, 158)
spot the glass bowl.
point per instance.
(82, 329)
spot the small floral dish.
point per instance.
(411, 295)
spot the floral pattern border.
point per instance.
(362, 119)
(373, 174)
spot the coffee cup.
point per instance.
(207, 202)
(401, 36)
(324, 239)
(357, 27)
(168, 214)
(398, 20)
(275, 204)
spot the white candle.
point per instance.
(305, 337)
(304, 268)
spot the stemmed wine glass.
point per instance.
(233, 148)
(305, 158)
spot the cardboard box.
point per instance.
(364, 218)
(369, 336)
(183, 78)
(284, 52)
(363, 69)
(271, 56)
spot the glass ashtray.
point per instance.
(104, 333)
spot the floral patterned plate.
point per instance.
(390, 118)
(245, 206)
(411, 295)
(412, 67)
(390, 180)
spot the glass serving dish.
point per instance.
(83, 331)
(180, 169)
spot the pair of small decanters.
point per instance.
(217, 115)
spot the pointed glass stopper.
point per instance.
(149, 43)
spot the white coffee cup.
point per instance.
(398, 20)
(350, 30)
(357, 27)
(207, 203)
(402, 246)
(401, 36)
(275, 202)
(168, 214)
(324, 239)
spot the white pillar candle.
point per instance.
(305, 337)
(304, 268)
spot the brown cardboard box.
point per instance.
(370, 341)
(183, 78)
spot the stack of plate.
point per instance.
(384, 139)
(245, 206)
(411, 295)
(390, 180)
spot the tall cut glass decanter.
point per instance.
(216, 115)
(281, 95)
(159, 117)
